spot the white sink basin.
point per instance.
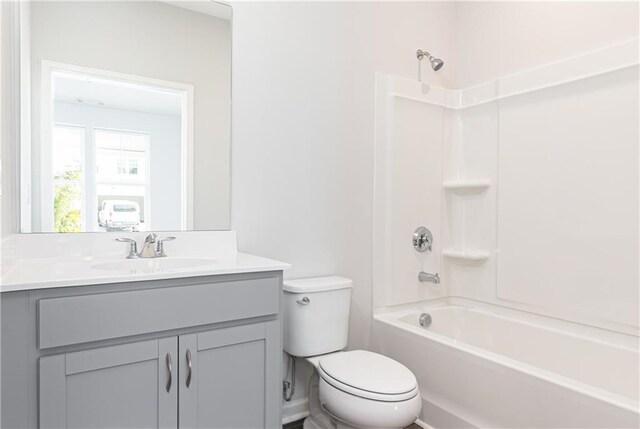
(152, 265)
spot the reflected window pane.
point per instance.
(121, 166)
(68, 150)
(121, 179)
(133, 166)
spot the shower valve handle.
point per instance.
(422, 239)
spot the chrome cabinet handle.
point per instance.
(170, 371)
(304, 301)
(189, 366)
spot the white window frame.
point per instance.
(186, 92)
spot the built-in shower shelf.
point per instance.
(466, 187)
(466, 254)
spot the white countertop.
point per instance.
(45, 261)
(50, 273)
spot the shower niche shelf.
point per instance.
(466, 187)
(470, 255)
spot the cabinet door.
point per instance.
(127, 386)
(229, 378)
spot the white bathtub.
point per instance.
(487, 366)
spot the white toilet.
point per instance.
(353, 389)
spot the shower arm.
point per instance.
(420, 54)
(436, 63)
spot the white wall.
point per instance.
(9, 120)
(497, 38)
(155, 40)
(165, 154)
(303, 124)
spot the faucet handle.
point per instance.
(133, 249)
(160, 249)
(422, 239)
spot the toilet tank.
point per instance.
(316, 315)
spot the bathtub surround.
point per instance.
(488, 188)
(521, 169)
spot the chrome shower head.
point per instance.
(436, 63)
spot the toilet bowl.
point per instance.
(349, 389)
(361, 389)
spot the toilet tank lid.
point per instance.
(317, 284)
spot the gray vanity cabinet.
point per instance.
(191, 353)
(223, 377)
(121, 386)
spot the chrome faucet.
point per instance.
(152, 248)
(149, 246)
(428, 277)
(423, 242)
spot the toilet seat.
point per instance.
(368, 375)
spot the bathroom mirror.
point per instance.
(125, 116)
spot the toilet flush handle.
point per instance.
(304, 301)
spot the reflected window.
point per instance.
(68, 167)
(103, 171)
(133, 166)
(122, 184)
(121, 166)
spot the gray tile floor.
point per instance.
(293, 425)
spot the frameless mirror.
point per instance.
(126, 115)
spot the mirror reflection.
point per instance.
(129, 117)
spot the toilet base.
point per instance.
(318, 417)
(318, 422)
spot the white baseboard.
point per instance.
(294, 410)
(423, 424)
